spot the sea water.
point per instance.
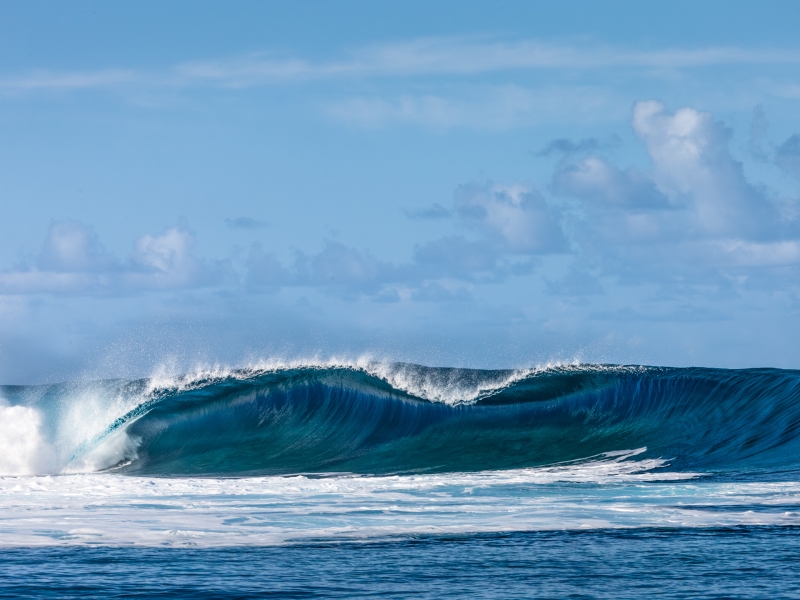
(347, 479)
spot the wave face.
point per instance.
(409, 419)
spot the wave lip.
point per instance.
(376, 418)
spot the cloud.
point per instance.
(70, 80)
(597, 180)
(71, 246)
(787, 156)
(692, 196)
(467, 55)
(753, 254)
(586, 145)
(758, 133)
(689, 219)
(245, 223)
(574, 283)
(434, 211)
(456, 256)
(693, 166)
(432, 272)
(483, 107)
(264, 270)
(435, 291)
(425, 56)
(514, 215)
(167, 261)
(337, 267)
(340, 266)
(511, 223)
(686, 314)
(73, 261)
(690, 216)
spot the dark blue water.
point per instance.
(337, 419)
(689, 563)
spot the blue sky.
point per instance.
(481, 184)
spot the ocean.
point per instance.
(348, 479)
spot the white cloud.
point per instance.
(71, 80)
(71, 246)
(165, 253)
(693, 166)
(33, 280)
(516, 215)
(752, 254)
(490, 108)
(481, 55)
(692, 215)
(167, 261)
(426, 56)
(73, 260)
(694, 191)
(690, 218)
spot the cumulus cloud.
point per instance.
(691, 210)
(688, 218)
(693, 165)
(514, 215)
(72, 260)
(344, 270)
(71, 246)
(338, 265)
(597, 180)
(509, 226)
(690, 215)
(167, 261)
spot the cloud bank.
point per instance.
(72, 260)
(690, 217)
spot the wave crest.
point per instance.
(376, 418)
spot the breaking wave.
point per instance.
(381, 418)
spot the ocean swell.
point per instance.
(396, 418)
